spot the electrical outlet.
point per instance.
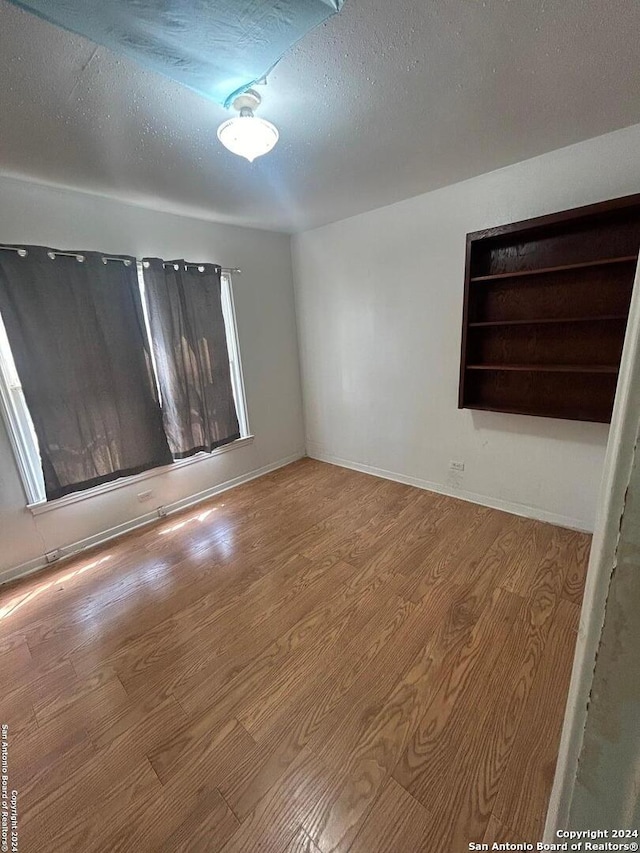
(162, 512)
(52, 556)
(456, 474)
(145, 496)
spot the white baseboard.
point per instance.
(484, 500)
(104, 536)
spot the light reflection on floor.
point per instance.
(205, 536)
(21, 600)
(180, 524)
(153, 576)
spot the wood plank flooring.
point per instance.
(318, 661)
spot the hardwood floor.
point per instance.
(319, 661)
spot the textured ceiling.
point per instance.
(384, 101)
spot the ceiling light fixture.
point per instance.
(246, 135)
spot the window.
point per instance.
(20, 428)
(16, 413)
(229, 312)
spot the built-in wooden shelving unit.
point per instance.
(545, 311)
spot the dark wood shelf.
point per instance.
(626, 259)
(558, 413)
(549, 368)
(545, 320)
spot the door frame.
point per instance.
(621, 448)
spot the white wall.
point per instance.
(379, 301)
(32, 213)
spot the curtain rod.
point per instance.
(77, 255)
(200, 267)
(227, 270)
(126, 261)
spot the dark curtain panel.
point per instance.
(192, 360)
(77, 334)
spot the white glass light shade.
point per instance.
(248, 136)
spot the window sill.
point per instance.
(76, 497)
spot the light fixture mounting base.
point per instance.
(249, 100)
